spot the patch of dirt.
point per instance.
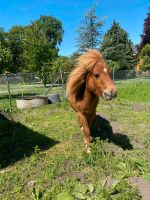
(138, 107)
(70, 172)
(143, 186)
(117, 128)
(110, 182)
(80, 176)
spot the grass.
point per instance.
(42, 154)
(136, 91)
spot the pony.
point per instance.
(86, 83)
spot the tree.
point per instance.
(144, 62)
(5, 59)
(15, 41)
(146, 31)
(5, 54)
(62, 63)
(90, 32)
(117, 48)
(41, 42)
(3, 38)
(73, 59)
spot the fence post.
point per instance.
(8, 87)
(61, 76)
(113, 74)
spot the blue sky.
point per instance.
(129, 13)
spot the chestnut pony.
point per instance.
(89, 80)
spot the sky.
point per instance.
(129, 13)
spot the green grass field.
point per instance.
(42, 154)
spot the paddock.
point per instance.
(43, 146)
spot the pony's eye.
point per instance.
(96, 76)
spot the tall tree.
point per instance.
(90, 32)
(117, 48)
(5, 54)
(15, 41)
(41, 42)
(3, 40)
(146, 31)
(5, 59)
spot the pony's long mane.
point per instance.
(84, 65)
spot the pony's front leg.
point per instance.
(85, 129)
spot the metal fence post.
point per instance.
(113, 74)
(8, 87)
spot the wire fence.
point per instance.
(29, 84)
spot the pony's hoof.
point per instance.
(88, 149)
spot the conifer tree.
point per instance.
(117, 48)
(90, 32)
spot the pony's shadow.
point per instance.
(18, 141)
(106, 132)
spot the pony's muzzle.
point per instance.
(109, 95)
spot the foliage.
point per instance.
(32, 47)
(117, 48)
(146, 51)
(45, 71)
(5, 59)
(145, 57)
(62, 63)
(73, 58)
(40, 42)
(146, 31)
(5, 54)
(75, 55)
(113, 64)
(90, 32)
(3, 41)
(40, 45)
(15, 38)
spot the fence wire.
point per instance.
(29, 84)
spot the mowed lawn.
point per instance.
(42, 154)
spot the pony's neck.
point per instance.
(89, 95)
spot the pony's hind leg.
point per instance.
(85, 129)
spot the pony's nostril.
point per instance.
(114, 94)
(106, 94)
(109, 95)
